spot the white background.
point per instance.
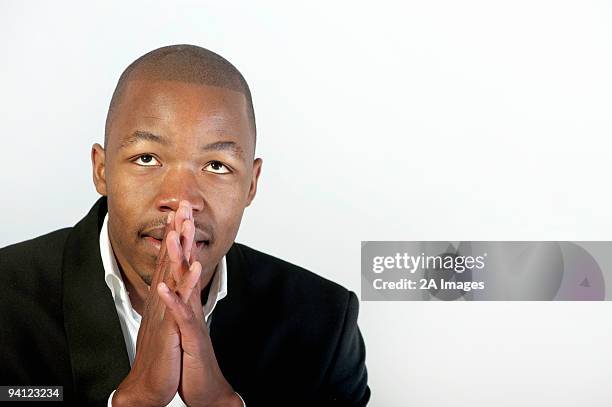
(431, 120)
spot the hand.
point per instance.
(201, 381)
(155, 374)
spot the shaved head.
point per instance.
(182, 63)
(180, 128)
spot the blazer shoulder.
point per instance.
(34, 258)
(298, 318)
(275, 277)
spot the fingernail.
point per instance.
(186, 212)
(163, 287)
(169, 218)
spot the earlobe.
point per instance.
(98, 163)
(256, 171)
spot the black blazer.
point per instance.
(282, 336)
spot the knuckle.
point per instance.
(188, 316)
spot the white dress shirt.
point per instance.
(130, 319)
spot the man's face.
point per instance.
(171, 141)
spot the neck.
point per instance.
(137, 289)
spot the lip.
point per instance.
(156, 243)
(158, 233)
(153, 242)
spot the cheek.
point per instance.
(121, 217)
(131, 195)
(125, 206)
(227, 209)
(127, 187)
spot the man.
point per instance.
(148, 300)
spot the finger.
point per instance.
(185, 224)
(187, 237)
(192, 255)
(189, 282)
(154, 307)
(162, 259)
(195, 302)
(182, 313)
(169, 226)
(176, 261)
(182, 213)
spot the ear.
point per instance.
(98, 163)
(256, 171)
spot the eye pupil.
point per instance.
(216, 165)
(146, 158)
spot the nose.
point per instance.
(178, 185)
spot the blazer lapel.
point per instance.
(95, 340)
(233, 328)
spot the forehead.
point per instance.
(181, 111)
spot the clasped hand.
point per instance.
(174, 352)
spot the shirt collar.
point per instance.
(114, 281)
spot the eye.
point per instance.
(217, 167)
(146, 160)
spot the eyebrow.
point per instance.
(229, 146)
(140, 135)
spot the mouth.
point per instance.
(156, 243)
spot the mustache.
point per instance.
(200, 227)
